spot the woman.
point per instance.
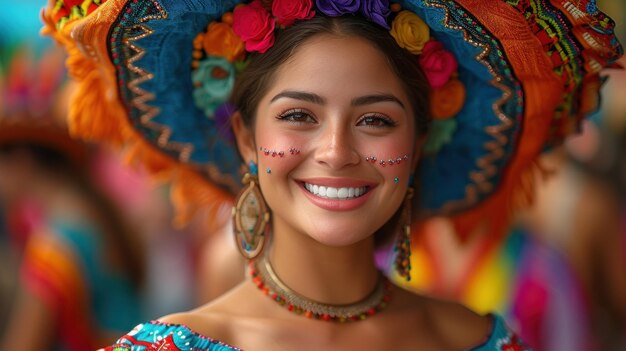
(330, 108)
(81, 268)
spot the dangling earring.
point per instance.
(250, 215)
(403, 243)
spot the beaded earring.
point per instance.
(403, 242)
(250, 216)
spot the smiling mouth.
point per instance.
(344, 193)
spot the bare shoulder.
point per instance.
(460, 324)
(214, 319)
(212, 325)
(219, 318)
(456, 326)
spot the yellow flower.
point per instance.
(220, 40)
(410, 31)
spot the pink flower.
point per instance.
(254, 25)
(288, 11)
(71, 3)
(438, 63)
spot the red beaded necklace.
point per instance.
(267, 281)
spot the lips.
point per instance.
(337, 194)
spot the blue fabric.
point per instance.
(156, 334)
(444, 176)
(501, 338)
(168, 56)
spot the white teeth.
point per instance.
(342, 193)
(335, 193)
(322, 191)
(331, 193)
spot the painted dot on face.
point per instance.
(268, 170)
(389, 162)
(278, 153)
(396, 180)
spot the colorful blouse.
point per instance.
(175, 337)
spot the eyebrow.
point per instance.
(372, 99)
(300, 95)
(316, 99)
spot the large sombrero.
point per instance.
(530, 70)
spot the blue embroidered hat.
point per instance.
(524, 73)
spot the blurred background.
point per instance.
(87, 249)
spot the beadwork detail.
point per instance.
(264, 277)
(278, 153)
(403, 243)
(390, 161)
(250, 216)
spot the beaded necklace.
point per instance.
(264, 277)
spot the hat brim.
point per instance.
(522, 92)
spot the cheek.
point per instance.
(391, 157)
(278, 154)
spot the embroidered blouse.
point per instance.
(175, 337)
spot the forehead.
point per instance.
(335, 66)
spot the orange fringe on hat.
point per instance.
(97, 115)
(542, 94)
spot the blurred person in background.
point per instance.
(81, 271)
(81, 266)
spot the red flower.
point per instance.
(92, 7)
(71, 3)
(438, 63)
(288, 11)
(514, 345)
(254, 25)
(63, 12)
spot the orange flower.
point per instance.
(448, 100)
(220, 40)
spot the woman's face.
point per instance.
(332, 108)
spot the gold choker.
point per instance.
(266, 280)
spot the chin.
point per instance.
(339, 234)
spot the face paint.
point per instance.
(387, 162)
(279, 153)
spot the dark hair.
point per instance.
(115, 228)
(253, 82)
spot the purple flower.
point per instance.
(337, 7)
(222, 121)
(376, 11)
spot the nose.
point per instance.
(336, 147)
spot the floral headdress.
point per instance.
(220, 52)
(508, 77)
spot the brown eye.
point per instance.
(376, 120)
(297, 116)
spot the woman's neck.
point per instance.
(331, 275)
